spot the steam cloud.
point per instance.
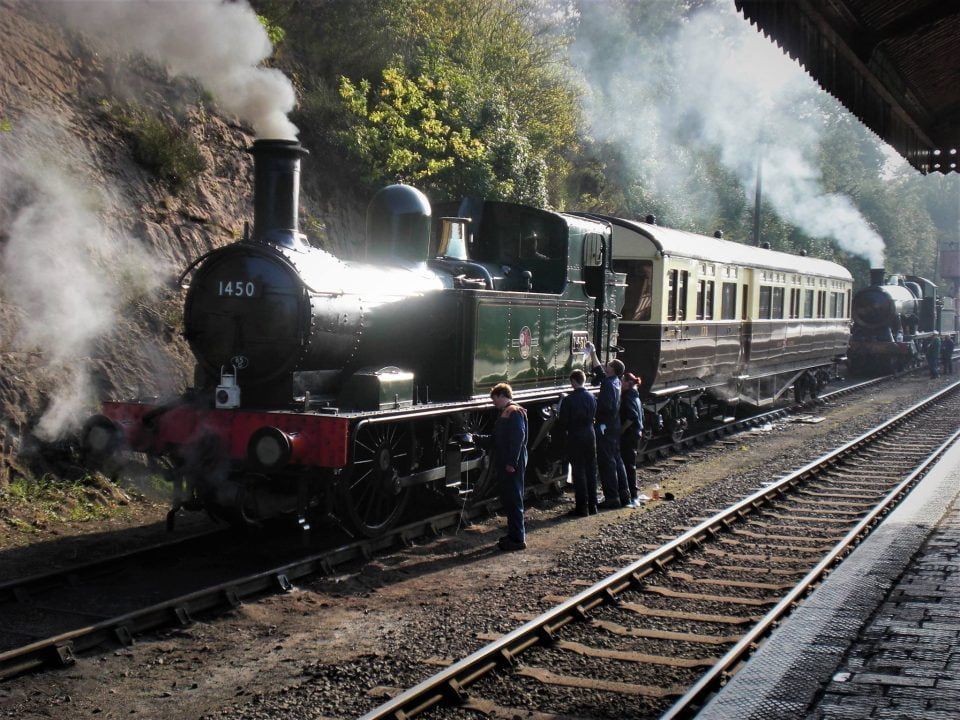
(61, 267)
(221, 44)
(735, 91)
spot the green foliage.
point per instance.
(274, 32)
(5, 125)
(407, 129)
(159, 145)
(50, 498)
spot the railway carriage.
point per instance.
(707, 321)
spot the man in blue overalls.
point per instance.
(509, 441)
(613, 476)
(631, 420)
(578, 410)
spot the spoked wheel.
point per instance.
(371, 494)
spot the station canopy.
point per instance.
(892, 63)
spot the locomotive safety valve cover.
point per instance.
(388, 388)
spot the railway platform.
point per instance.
(880, 637)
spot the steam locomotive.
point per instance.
(893, 318)
(334, 388)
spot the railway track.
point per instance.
(658, 637)
(46, 619)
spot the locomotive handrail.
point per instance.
(192, 265)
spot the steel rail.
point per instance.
(717, 675)
(449, 684)
(60, 650)
(28, 584)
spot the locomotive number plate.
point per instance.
(238, 288)
(578, 341)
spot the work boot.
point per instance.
(508, 544)
(578, 511)
(593, 509)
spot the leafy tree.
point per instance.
(406, 128)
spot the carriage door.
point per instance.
(745, 327)
(676, 331)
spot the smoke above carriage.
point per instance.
(726, 88)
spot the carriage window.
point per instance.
(766, 293)
(677, 294)
(836, 305)
(639, 295)
(821, 303)
(744, 314)
(672, 295)
(682, 295)
(794, 303)
(705, 300)
(728, 301)
(808, 303)
(777, 303)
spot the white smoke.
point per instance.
(62, 268)
(732, 90)
(221, 44)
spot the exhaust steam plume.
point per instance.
(221, 44)
(67, 274)
(725, 87)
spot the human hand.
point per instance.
(589, 347)
(603, 428)
(511, 469)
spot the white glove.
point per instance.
(603, 428)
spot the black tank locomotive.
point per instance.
(334, 387)
(893, 318)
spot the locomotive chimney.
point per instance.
(276, 191)
(876, 276)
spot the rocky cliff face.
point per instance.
(91, 241)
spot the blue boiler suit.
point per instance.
(630, 409)
(509, 441)
(578, 410)
(613, 475)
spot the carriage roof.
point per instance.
(679, 243)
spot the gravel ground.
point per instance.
(330, 648)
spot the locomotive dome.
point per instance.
(398, 225)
